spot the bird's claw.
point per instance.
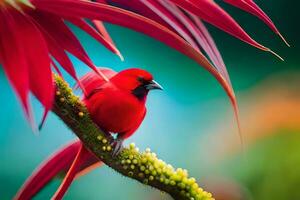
(109, 136)
(117, 145)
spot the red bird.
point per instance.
(116, 105)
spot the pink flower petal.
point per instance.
(101, 28)
(37, 58)
(209, 11)
(251, 7)
(82, 155)
(170, 19)
(61, 33)
(13, 58)
(207, 43)
(91, 31)
(58, 163)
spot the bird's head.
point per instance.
(136, 81)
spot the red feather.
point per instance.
(90, 81)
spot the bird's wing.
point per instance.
(127, 134)
(92, 80)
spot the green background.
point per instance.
(179, 118)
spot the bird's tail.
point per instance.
(73, 160)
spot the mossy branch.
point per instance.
(144, 167)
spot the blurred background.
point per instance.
(190, 124)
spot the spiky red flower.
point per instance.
(34, 34)
(31, 39)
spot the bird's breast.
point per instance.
(115, 111)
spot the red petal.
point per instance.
(100, 26)
(207, 43)
(157, 12)
(50, 168)
(201, 35)
(61, 33)
(209, 11)
(13, 58)
(57, 163)
(80, 158)
(251, 7)
(60, 55)
(37, 58)
(182, 18)
(90, 30)
(141, 8)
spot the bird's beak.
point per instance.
(153, 85)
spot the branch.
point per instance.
(144, 167)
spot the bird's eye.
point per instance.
(141, 79)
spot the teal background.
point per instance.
(179, 118)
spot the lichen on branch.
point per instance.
(144, 167)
